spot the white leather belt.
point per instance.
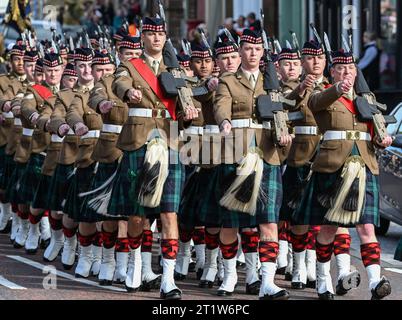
(149, 113)
(194, 131)
(17, 122)
(56, 138)
(249, 123)
(27, 132)
(91, 134)
(306, 130)
(210, 129)
(8, 115)
(111, 128)
(347, 135)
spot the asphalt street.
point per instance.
(27, 277)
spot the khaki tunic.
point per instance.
(80, 112)
(236, 99)
(331, 114)
(105, 150)
(136, 130)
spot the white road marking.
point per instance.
(65, 275)
(11, 285)
(394, 270)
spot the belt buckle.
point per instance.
(353, 135)
(159, 113)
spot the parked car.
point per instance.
(41, 27)
(391, 177)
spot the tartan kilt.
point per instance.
(80, 182)
(104, 172)
(311, 212)
(13, 186)
(209, 211)
(124, 198)
(192, 198)
(42, 194)
(9, 166)
(266, 213)
(398, 252)
(292, 179)
(30, 178)
(59, 184)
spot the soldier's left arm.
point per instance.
(223, 103)
(75, 112)
(122, 83)
(29, 104)
(45, 115)
(97, 95)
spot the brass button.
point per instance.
(235, 102)
(334, 109)
(157, 103)
(139, 87)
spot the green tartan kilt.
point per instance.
(292, 179)
(80, 182)
(124, 197)
(104, 172)
(398, 252)
(13, 186)
(311, 212)
(42, 194)
(2, 161)
(266, 212)
(30, 178)
(192, 198)
(59, 184)
(9, 166)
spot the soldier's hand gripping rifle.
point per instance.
(173, 82)
(368, 108)
(270, 106)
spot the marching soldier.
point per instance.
(44, 149)
(87, 124)
(149, 113)
(235, 111)
(19, 147)
(190, 224)
(343, 190)
(63, 228)
(290, 71)
(9, 86)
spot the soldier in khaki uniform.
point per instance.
(64, 228)
(346, 154)
(290, 71)
(45, 149)
(297, 175)
(114, 234)
(9, 86)
(190, 223)
(146, 114)
(20, 153)
(87, 124)
(234, 111)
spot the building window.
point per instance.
(388, 44)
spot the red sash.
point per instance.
(351, 107)
(44, 92)
(150, 78)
